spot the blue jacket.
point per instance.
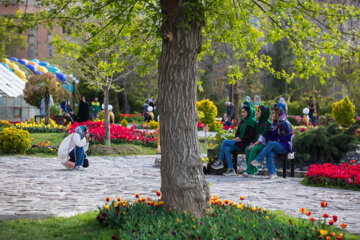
(283, 133)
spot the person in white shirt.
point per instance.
(74, 147)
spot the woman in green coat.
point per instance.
(262, 128)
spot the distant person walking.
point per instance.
(311, 107)
(83, 113)
(146, 105)
(230, 110)
(95, 109)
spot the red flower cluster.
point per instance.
(200, 125)
(118, 134)
(130, 115)
(348, 174)
(228, 128)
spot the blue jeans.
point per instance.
(228, 146)
(269, 151)
(80, 156)
(311, 116)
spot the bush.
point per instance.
(14, 140)
(208, 109)
(326, 119)
(293, 121)
(55, 110)
(101, 115)
(153, 125)
(215, 126)
(344, 112)
(296, 108)
(124, 123)
(324, 144)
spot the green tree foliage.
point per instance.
(348, 74)
(42, 86)
(247, 26)
(11, 43)
(344, 112)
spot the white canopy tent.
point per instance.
(12, 104)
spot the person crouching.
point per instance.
(73, 148)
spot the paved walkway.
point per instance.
(39, 187)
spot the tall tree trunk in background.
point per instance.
(183, 183)
(236, 92)
(124, 100)
(47, 106)
(148, 87)
(106, 114)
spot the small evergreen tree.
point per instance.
(344, 112)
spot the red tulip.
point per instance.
(343, 225)
(324, 204)
(308, 213)
(108, 199)
(331, 222)
(334, 218)
(312, 219)
(326, 215)
(158, 193)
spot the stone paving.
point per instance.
(40, 187)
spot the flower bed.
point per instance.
(118, 134)
(43, 147)
(34, 127)
(329, 175)
(146, 218)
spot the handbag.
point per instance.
(68, 163)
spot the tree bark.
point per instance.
(47, 106)
(183, 183)
(124, 100)
(106, 115)
(236, 97)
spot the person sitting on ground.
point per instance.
(243, 137)
(74, 147)
(262, 128)
(230, 110)
(279, 141)
(226, 121)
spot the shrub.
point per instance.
(153, 125)
(208, 109)
(293, 121)
(344, 112)
(5, 124)
(14, 140)
(326, 120)
(55, 110)
(101, 115)
(215, 126)
(324, 144)
(124, 123)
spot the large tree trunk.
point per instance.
(124, 100)
(236, 92)
(106, 115)
(47, 106)
(183, 183)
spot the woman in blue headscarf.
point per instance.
(74, 146)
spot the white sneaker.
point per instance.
(255, 163)
(230, 172)
(217, 165)
(245, 174)
(271, 177)
(79, 168)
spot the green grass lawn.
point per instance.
(54, 138)
(82, 226)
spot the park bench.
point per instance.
(284, 158)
